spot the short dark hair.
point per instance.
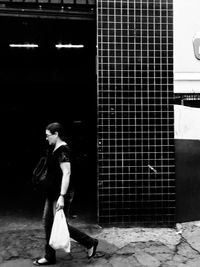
(56, 127)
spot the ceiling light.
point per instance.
(23, 45)
(69, 46)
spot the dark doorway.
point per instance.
(39, 86)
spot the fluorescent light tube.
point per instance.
(69, 46)
(23, 45)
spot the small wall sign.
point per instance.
(196, 45)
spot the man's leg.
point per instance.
(81, 237)
(48, 217)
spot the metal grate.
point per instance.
(67, 2)
(136, 181)
(83, 10)
(192, 100)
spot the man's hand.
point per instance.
(60, 203)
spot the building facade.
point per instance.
(134, 101)
(187, 98)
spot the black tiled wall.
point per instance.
(136, 181)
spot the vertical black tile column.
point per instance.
(136, 181)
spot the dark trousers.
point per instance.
(48, 217)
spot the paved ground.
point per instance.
(22, 239)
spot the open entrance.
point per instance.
(42, 85)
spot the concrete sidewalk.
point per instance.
(21, 240)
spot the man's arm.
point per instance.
(66, 171)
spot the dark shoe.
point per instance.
(37, 263)
(93, 249)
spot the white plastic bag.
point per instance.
(60, 238)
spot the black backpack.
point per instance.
(40, 173)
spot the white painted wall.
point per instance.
(187, 122)
(186, 65)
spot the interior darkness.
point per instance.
(43, 85)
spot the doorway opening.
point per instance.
(41, 85)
